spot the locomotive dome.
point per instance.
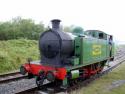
(78, 30)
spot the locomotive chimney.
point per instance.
(56, 24)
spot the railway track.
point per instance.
(5, 78)
(52, 90)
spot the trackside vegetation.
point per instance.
(13, 53)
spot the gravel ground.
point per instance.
(12, 87)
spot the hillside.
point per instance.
(13, 53)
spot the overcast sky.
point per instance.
(105, 15)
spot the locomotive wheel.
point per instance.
(50, 76)
(39, 82)
(40, 79)
(23, 70)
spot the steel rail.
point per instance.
(8, 77)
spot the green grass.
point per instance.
(13, 53)
(102, 85)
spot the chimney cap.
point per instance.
(56, 20)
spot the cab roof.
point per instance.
(96, 34)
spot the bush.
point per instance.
(20, 28)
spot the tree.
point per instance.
(20, 28)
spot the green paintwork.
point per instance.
(94, 50)
(75, 74)
(77, 46)
(65, 82)
(75, 61)
(91, 49)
